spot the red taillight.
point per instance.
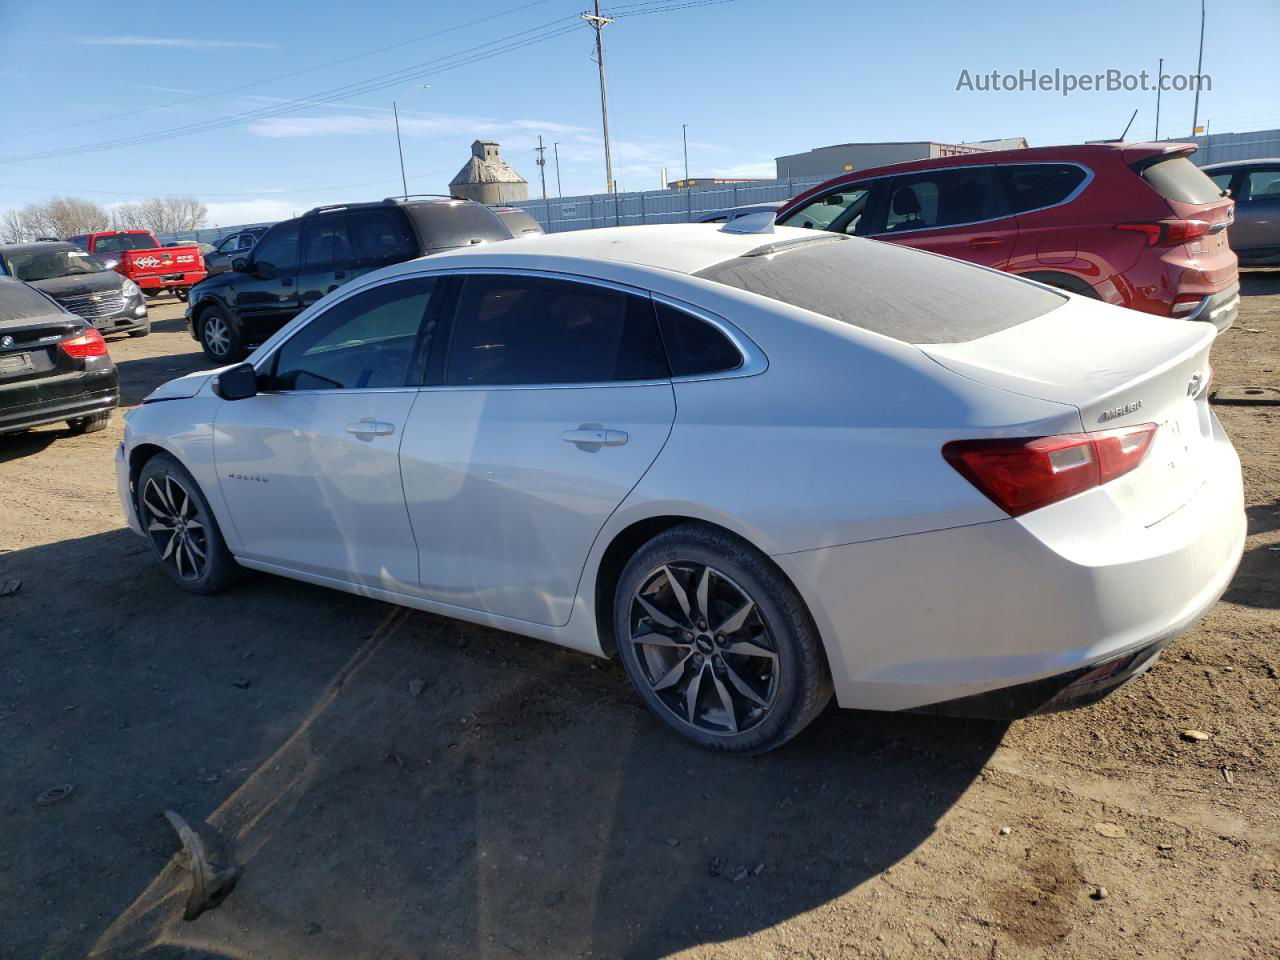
(88, 344)
(1024, 474)
(1168, 233)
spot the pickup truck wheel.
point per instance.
(219, 338)
(182, 294)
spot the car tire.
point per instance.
(220, 337)
(181, 529)
(89, 424)
(182, 294)
(749, 689)
(142, 331)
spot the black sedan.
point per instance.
(53, 365)
(81, 283)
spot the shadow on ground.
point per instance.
(523, 804)
(1259, 282)
(1257, 582)
(140, 376)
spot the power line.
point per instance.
(185, 101)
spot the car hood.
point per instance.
(108, 281)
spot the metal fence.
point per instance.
(207, 234)
(657, 206)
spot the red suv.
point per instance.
(1134, 224)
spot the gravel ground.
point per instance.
(522, 804)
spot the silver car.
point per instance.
(1255, 185)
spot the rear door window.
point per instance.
(1180, 180)
(510, 329)
(380, 235)
(1261, 184)
(888, 289)
(945, 198)
(324, 240)
(1034, 186)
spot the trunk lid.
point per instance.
(1118, 368)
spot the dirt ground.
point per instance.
(523, 804)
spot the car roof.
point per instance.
(1232, 164)
(37, 245)
(679, 247)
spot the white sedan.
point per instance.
(760, 468)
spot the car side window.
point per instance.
(945, 198)
(279, 246)
(324, 240)
(694, 347)
(1261, 185)
(1222, 180)
(1035, 185)
(839, 212)
(363, 342)
(381, 235)
(510, 330)
(246, 241)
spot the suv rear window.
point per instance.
(888, 289)
(20, 302)
(444, 224)
(1180, 180)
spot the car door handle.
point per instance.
(340, 275)
(369, 427)
(286, 282)
(588, 437)
(979, 242)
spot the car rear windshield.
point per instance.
(1180, 180)
(443, 224)
(124, 241)
(896, 291)
(20, 302)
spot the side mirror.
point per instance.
(237, 383)
(264, 271)
(240, 264)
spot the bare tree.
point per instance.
(16, 225)
(170, 214)
(128, 216)
(68, 216)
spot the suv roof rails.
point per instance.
(413, 196)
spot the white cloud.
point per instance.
(512, 132)
(184, 43)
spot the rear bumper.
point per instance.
(37, 405)
(1021, 611)
(1219, 308)
(174, 281)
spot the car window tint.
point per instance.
(324, 240)
(534, 330)
(1036, 185)
(380, 235)
(279, 246)
(1262, 185)
(361, 342)
(946, 198)
(694, 347)
(840, 211)
(246, 241)
(1222, 180)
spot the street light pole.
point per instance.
(1195, 111)
(684, 129)
(555, 148)
(1159, 74)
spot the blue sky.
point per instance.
(752, 78)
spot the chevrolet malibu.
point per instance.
(761, 466)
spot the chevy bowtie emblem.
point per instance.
(6, 341)
(95, 298)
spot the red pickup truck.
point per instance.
(138, 255)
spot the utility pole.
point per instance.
(598, 23)
(555, 148)
(542, 166)
(1195, 111)
(1159, 74)
(684, 129)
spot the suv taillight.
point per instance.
(1025, 474)
(87, 344)
(1168, 233)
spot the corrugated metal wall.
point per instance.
(1221, 147)
(656, 206)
